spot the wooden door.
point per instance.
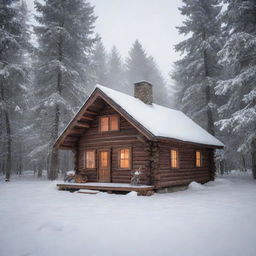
(104, 166)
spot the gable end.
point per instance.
(88, 112)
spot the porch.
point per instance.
(105, 187)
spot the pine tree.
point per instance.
(160, 89)
(99, 64)
(65, 39)
(14, 45)
(137, 64)
(139, 67)
(238, 113)
(115, 72)
(197, 71)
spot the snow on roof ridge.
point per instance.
(105, 87)
(156, 119)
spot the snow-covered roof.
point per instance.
(161, 121)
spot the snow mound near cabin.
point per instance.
(132, 193)
(196, 186)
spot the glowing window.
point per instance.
(104, 124)
(109, 123)
(90, 159)
(114, 123)
(198, 159)
(125, 158)
(174, 158)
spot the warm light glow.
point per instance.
(114, 123)
(90, 159)
(198, 159)
(104, 159)
(104, 124)
(174, 158)
(124, 158)
(109, 123)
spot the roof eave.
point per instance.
(57, 144)
(162, 138)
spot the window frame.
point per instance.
(119, 158)
(178, 158)
(85, 159)
(109, 123)
(201, 159)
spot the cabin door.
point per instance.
(104, 166)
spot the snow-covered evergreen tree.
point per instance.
(196, 72)
(238, 114)
(160, 89)
(65, 40)
(99, 64)
(115, 72)
(139, 67)
(14, 45)
(137, 64)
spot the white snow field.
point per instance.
(214, 219)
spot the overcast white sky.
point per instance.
(153, 22)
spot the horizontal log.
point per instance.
(184, 176)
(91, 112)
(179, 182)
(82, 124)
(180, 170)
(86, 118)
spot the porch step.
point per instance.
(98, 186)
(88, 191)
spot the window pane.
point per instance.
(90, 159)
(104, 159)
(198, 159)
(124, 158)
(174, 158)
(126, 163)
(104, 121)
(114, 123)
(122, 165)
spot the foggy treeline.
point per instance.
(216, 76)
(46, 73)
(49, 69)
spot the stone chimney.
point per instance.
(144, 91)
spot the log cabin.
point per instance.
(114, 134)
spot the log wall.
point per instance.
(187, 171)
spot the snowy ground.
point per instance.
(214, 219)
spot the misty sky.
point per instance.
(153, 22)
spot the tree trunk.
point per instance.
(3, 165)
(20, 161)
(54, 157)
(8, 168)
(8, 165)
(254, 157)
(208, 94)
(222, 166)
(244, 169)
(39, 170)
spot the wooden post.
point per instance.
(212, 165)
(154, 156)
